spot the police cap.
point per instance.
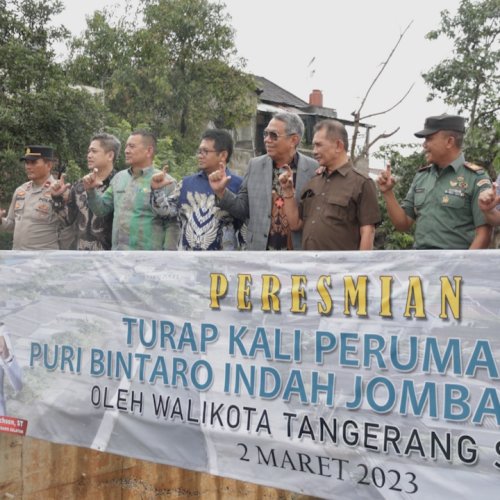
(36, 152)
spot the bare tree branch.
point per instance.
(357, 113)
(486, 113)
(384, 65)
(367, 147)
(392, 107)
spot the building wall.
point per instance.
(32, 469)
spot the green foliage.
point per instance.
(470, 80)
(404, 165)
(174, 68)
(170, 67)
(73, 172)
(12, 174)
(179, 164)
(26, 38)
(100, 52)
(37, 105)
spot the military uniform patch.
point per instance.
(483, 182)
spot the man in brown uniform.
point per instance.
(338, 209)
(31, 216)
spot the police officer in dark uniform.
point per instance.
(31, 216)
(443, 197)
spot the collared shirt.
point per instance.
(94, 232)
(204, 226)
(135, 226)
(444, 204)
(334, 206)
(280, 234)
(32, 219)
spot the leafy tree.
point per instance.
(36, 102)
(37, 105)
(470, 80)
(197, 45)
(26, 39)
(102, 50)
(174, 68)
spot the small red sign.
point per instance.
(13, 425)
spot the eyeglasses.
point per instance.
(274, 136)
(204, 152)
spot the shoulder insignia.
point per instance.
(483, 182)
(424, 167)
(474, 167)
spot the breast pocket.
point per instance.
(308, 203)
(419, 198)
(337, 208)
(43, 210)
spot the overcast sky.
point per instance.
(349, 41)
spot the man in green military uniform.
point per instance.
(443, 197)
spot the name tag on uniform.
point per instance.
(455, 192)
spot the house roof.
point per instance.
(270, 92)
(273, 99)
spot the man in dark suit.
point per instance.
(260, 200)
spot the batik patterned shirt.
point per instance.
(204, 226)
(94, 233)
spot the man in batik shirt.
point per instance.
(204, 226)
(93, 232)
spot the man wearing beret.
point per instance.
(443, 197)
(31, 216)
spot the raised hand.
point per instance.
(59, 188)
(286, 180)
(91, 181)
(219, 180)
(161, 179)
(385, 180)
(489, 199)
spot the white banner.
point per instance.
(351, 374)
